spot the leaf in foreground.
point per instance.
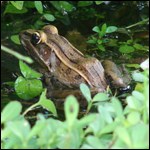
(47, 103)
(71, 109)
(28, 89)
(11, 111)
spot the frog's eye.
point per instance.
(35, 39)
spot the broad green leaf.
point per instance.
(49, 17)
(98, 124)
(140, 136)
(47, 103)
(11, 111)
(66, 6)
(134, 117)
(138, 95)
(17, 4)
(13, 10)
(95, 142)
(87, 119)
(39, 6)
(70, 138)
(20, 129)
(96, 29)
(15, 39)
(86, 92)
(84, 3)
(123, 135)
(40, 125)
(117, 107)
(105, 114)
(111, 29)
(138, 76)
(28, 89)
(100, 97)
(126, 49)
(71, 109)
(28, 72)
(109, 128)
(133, 103)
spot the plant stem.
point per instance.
(30, 108)
(138, 23)
(16, 54)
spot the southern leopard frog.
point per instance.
(66, 66)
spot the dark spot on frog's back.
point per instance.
(77, 77)
(68, 71)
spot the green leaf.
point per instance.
(96, 29)
(11, 111)
(109, 128)
(137, 76)
(86, 92)
(126, 49)
(99, 2)
(133, 117)
(71, 109)
(84, 3)
(111, 29)
(138, 95)
(56, 5)
(105, 114)
(86, 120)
(20, 129)
(29, 4)
(101, 47)
(47, 103)
(98, 124)
(123, 135)
(66, 6)
(39, 6)
(13, 10)
(133, 103)
(15, 39)
(117, 107)
(133, 65)
(140, 47)
(100, 97)
(140, 136)
(17, 4)
(28, 89)
(103, 30)
(49, 17)
(91, 41)
(95, 142)
(28, 72)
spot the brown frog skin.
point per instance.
(66, 66)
